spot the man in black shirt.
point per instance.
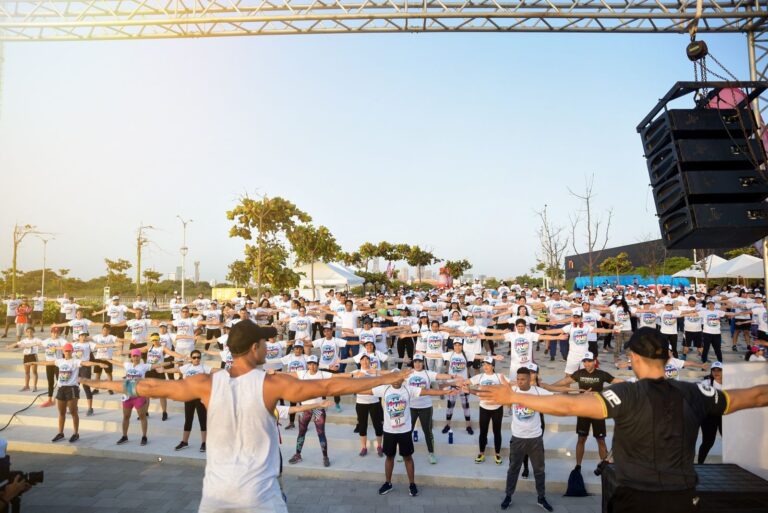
(656, 424)
(589, 379)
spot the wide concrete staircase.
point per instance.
(32, 429)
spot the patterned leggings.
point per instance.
(452, 403)
(318, 416)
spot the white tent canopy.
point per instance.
(735, 267)
(327, 276)
(753, 271)
(697, 269)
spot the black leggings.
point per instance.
(486, 417)
(85, 372)
(714, 341)
(404, 345)
(377, 418)
(190, 407)
(52, 373)
(709, 428)
(424, 416)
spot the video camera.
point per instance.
(8, 476)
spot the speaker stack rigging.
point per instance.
(707, 166)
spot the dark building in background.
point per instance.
(640, 254)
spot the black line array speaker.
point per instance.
(706, 168)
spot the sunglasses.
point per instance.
(195, 357)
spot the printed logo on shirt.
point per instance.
(622, 316)
(649, 319)
(417, 381)
(580, 337)
(522, 346)
(328, 352)
(434, 342)
(367, 337)
(273, 351)
(713, 321)
(668, 320)
(301, 325)
(671, 371)
(522, 413)
(458, 364)
(396, 404)
(297, 365)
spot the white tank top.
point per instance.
(243, 457)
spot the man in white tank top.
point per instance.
(242, 458)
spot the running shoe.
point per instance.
(506, 502)
(95, 391)
(480, 458)
(296, 458)
(380, 451)
(385, 488)
(58, 437)
(165, 415)
(143, 440)
(497, 459)
(111, 392)
(182, 445)
(412, 490)
(47, 403)
(74, 438)
(446, 428)
(525, 473)
(470, 431)
(123, 440)
(357, 429)
(23, 389)
(364, 451)
(551, 358)
(399, 458)
(734, 348)
(338, 408)
(290, 426)
(203, 447)
(432, 458)
(89, 413)
(544, 504)
(326, 461)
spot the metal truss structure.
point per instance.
(76, 20)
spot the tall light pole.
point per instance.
(141, 241)
(45, 248)
(184, 251)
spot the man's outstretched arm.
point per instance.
(743, 398)
(194, 387)
(585, 405)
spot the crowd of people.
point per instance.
(454, 341)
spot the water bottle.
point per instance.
(450, 436)
(415, 435)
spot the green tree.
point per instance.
(311, 244)
(457, 268)
(116, 275)
(617, 265)
(491, 283)
(266, 221)
(747, 250)
(419, 258)
(674, 264)
(151, 277)
(62, 279)
(238, 273)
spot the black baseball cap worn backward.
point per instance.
(245, 333)
(649, 343)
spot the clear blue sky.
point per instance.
(447, 141)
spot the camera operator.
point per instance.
(12, 491)
(656, 425)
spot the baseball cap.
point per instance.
(588, 356)
(458, 341)
(717, 365)
(327, 326)
(135, 352)
(369, 342)
(115, 298)
(532, 367)
(163, 325)
(419, 357)
(67, 347)
(649, 343)
(298, 343)
(423, 314)
(244, 334)
(488, 359)
(312, 359)
(378, 319)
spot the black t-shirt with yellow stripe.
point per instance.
(656, 425)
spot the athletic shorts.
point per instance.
(692, 339)
(212, 333)
(761, 335)
(392, 441)
(30, 358)
(37, 316)
(583, 424)
(573, 364)
(68, 393)
(118, 331)
(742, 327)
(98, 369)
(135, 402)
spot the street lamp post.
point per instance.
(184, 251)
(45, 249)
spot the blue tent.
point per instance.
(630, 279)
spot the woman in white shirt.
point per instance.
(29, 344)
(489, 413)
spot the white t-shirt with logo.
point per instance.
(521, 345)
(329, 350)
(294, 363)
(374, 335)
(303, 327)
(116, 313)
(274, 353)
(38, 304)
(472, 343)
(526, 423)
(318, 375)
(432, 342)
(30, 345)
(711, 321)
(52, 348)
(134, 372)
(692, 323)
(673, 367)
(668, 321)
(103, 353)
(760, 315)
(623, 319)
(155, 354)
(457, 363)
(578, 339)
(189, 370)
(81, 351)
(139, 330)
(487, 379)
(79, 326)
(421, 379)
(397, 406)
(68, 371)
